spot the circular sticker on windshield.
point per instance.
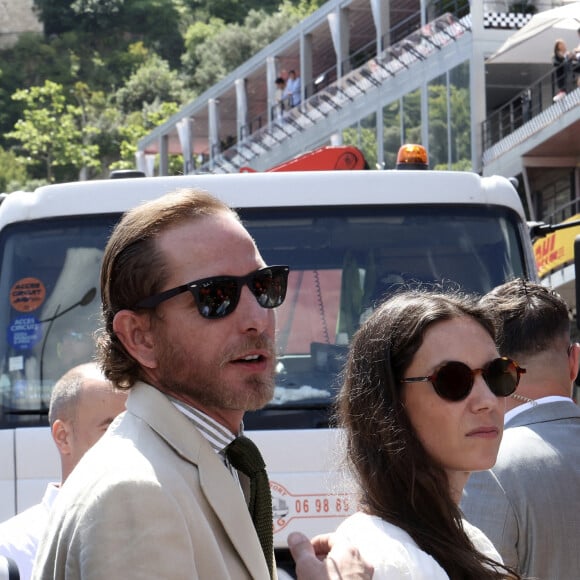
(24, 332)
(27, 294)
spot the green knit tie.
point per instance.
(244, 456)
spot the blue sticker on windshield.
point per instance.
(24, 332)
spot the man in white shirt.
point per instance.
(82, 405)
(528, 504)
(293, 89)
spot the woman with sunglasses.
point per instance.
(422, 406)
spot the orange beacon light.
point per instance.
(411, 156)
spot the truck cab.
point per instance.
(350, 238)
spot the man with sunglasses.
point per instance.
(188, 305)
(528, 503)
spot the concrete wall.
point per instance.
(16, 17)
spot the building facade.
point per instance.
(453, 76)
(17, 17)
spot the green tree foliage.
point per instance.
(136, 125)
(109, 25)
(50, 131)
(213, 49)
(12, 171)
(437, 146)
(64, 59)
(364, 136)
(222, 51)
(152, 81)
(412, 117)
(155, 22)
(229, 11)
(391, 134)
(460, 128)
(29, 63)
(196, 36)
(118, 65)
(99, 14)
(56, 15)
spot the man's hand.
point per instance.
(325, 559)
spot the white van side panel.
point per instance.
(303, 500)
(38, 464)
(311, 493)
(7, 471)
(299, 189)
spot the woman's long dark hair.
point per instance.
(399, 481)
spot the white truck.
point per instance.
(350, 237)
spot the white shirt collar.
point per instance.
(509, 415)
(218, 436)
(50, 494)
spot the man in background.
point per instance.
(528, 503)
(293, 89)
(279, 97)
(82, 405)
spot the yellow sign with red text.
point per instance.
(556, 249)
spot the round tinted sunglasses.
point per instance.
(218, 296)
(454, 380)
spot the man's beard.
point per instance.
(202, 383)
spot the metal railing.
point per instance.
(399, 57)
(402, 30)
(404, 34)
(562, 212)
(525, 106)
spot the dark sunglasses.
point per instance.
(218, 296)
(454, 380)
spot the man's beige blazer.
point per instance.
(150, 500)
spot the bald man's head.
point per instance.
(82, 406)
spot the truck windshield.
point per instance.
(343, 261)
